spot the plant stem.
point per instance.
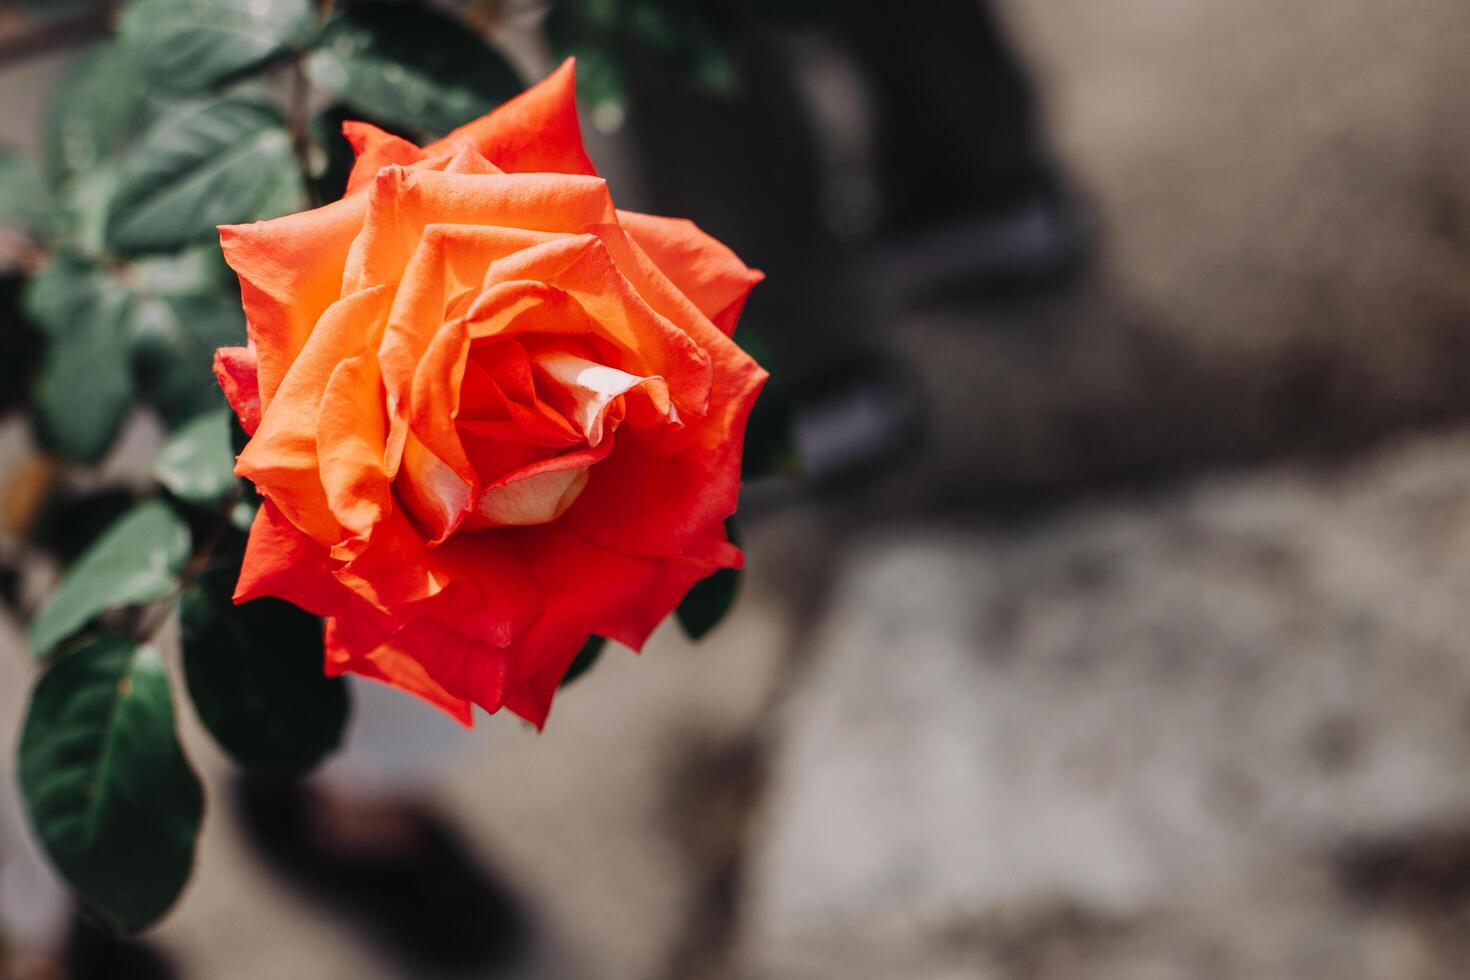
(301, 140)
(158, 614)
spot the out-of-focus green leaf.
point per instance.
(255, 676)
(172, 340)
(81, 209)
(586, 657)
(138, 560)
(21, 345)
(197, 464)
(149, 327)
(708, 602)
(769, 441)
(242, 515)
(711, 598)
(107, 788)
(59, 294)
(410, 66)
(95, 109)
(24, 202)
(205, 163)
(200, 269)
(84, 387)
(187, 46)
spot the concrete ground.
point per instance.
(1152, 663)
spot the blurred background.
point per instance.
(1107, 617)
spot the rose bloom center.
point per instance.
(536, 413)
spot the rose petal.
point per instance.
(530, 292)
(282, 562)
(375, 149)
(704, 269)
(437, 496)
(646, 500)
(537, 492)
(533, 498)
(281, 459)
(593, 590)
(595, 387)
(447, 260)
(290, 271)
(352, 436)
(536, 132)
(235, 370)
(400, 203)
(499, 400)
(392, 658)
(393, 568)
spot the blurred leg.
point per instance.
(747, 170)
(957, 120)
(970, 196)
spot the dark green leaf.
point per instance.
(107, 788)
(84, 388)
(21, 345)
(205, 163)
(23, 197)
(172, 340)
(62, 293)
(71, 522)
(410, 66)
(769, 441)
(708, 602)
(189, 45)
(586, 657)
(256, 676)
(93, 111)
(197, 464)
(138, 560)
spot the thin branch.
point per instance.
(52, 35)
(302, 142)
(158, 614)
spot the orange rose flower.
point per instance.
(490, 415)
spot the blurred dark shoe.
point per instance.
(856, 424)
(395, 870)
(1037, 241)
